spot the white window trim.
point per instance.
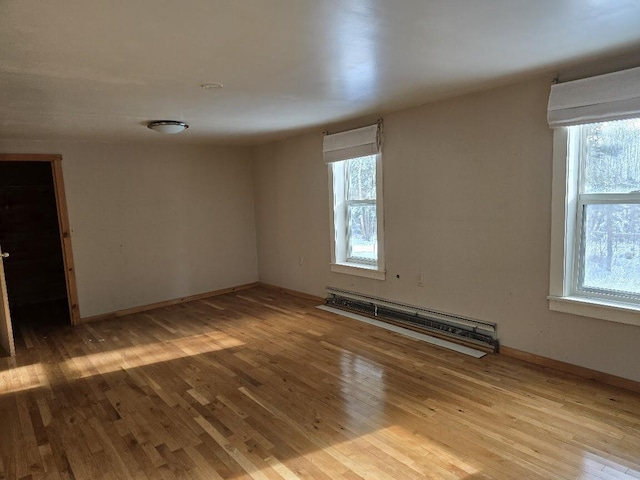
(601, 309)
(563, 232)
(339, 262)
(359, 270)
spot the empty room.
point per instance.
(319, 239)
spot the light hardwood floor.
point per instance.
(259, 384)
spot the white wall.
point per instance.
(155, 222)
(467, 194)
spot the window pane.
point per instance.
(361, 178)
(363, 232)
(612, 248)
(612, 163)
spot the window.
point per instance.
(595, 244)
(607, 251)
(355, 182)
(355, 209)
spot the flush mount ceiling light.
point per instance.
(167, 126)
(211, 86)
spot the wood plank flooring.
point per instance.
(261, 385)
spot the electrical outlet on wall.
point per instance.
(300, 261)
(421, 279)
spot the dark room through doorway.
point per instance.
(30, 234)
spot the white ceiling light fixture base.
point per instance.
(167, 126)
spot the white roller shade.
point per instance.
(351, 144)
(613, 96)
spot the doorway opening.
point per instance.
(34, 232)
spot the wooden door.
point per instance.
(6, 330)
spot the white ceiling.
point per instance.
(100, 69)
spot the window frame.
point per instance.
(566, 235)
(341, 260)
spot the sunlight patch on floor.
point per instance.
(21, 379)
(596, 466)
(141, 355)
(29, 377)
(441, 456)
(435, 460)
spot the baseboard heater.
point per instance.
(467, 331)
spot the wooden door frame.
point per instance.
(63, 222)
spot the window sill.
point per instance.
(604, 310)
(359, 270)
